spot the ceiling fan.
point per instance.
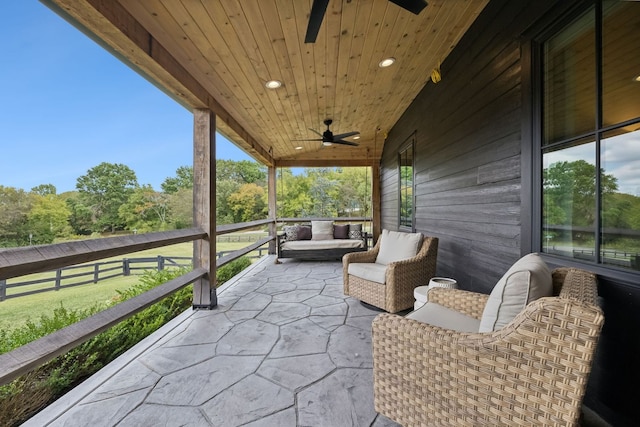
(328, 138)
(319, 8)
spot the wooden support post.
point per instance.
(3, 290)
(204, 206)
(376, 201)
(96, 272)
(271, 194)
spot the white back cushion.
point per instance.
(321, 230)
(397, 246)
(526, 281)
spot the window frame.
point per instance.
(532, 140)
(408, 144)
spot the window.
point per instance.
(590, 136)
(406, 186)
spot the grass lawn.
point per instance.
(15, 312)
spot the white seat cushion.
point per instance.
(397, 246)
(302, 245)
(443, 317)
(526, 281)
(369, 271)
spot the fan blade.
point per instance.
(346, 135)
(315, 131)
(317, 139)
(318, 9)
(343, 142)
(413, 6)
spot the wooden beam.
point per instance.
(376, 201)
(272, 199)
(204, 206)
(310, 163)
(115, 28)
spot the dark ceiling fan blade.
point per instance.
(317, 139)
(318, 9)
(346, 135)
(413, 6)
(343, 142)
(315, 131)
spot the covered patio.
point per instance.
(458, 134)
(284, 347)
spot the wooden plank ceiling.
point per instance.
(229, 49)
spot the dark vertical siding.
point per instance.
(467, 156)
(469, 188)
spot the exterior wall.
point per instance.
(473, 185)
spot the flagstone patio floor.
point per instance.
(284, 347)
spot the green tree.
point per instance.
(570, 192)
(181, 208)
(243, 171)
(80, 217)
(104, 189)
(145, 210)
(44, 189)
(48, 218)
(224, 189)
(322, 191)
(248, 203)
(182, 180)
(15, 205)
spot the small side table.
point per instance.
(421, 292)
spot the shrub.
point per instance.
(226, 272)
(24, 396)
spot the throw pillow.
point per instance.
(355, 231)
(340, 231)
(397, 246)
(528, 279)
(321, 230)
(304, 232)
(291, 231)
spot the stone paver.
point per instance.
(284, 347)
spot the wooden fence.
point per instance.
(78, 275)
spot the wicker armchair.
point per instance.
(533, 371)
(402, 277)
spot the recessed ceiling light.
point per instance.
(273, 84)
(637, 78)
(386, 62)
(298, 148)
(356, 137)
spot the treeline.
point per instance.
(109, 199)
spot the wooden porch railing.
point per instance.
(36, 259)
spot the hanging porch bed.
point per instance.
(321, 240)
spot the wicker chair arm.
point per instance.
(469, 303)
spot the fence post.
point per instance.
(58, 278)
(3, 290)
(126, 268)
(160, 263)
(96, 272)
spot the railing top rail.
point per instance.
(230, 228)
(335, 219)
(21, 261)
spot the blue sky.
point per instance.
(68, 105)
